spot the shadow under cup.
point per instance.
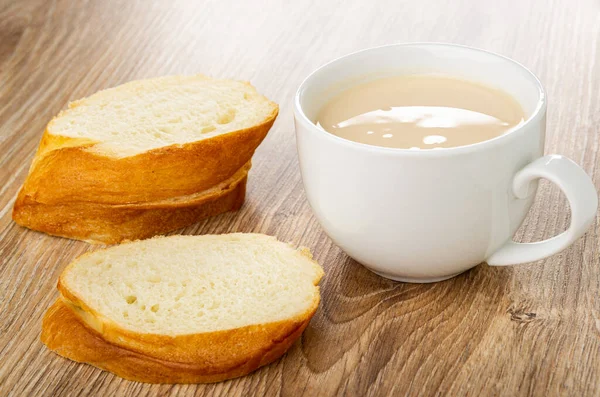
(418, 216)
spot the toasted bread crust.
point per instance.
(67, 170)
(111, 224)
(245, 349)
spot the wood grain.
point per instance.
(526, 330)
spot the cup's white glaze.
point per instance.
(424, 216)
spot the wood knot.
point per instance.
(521, 316)
(12, 29)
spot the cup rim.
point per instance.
(535, 116)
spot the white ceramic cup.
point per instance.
(428, 215)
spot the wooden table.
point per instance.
(525, 330)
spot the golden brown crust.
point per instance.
(217, 347)
(67, 170)
(111, 224)
(213, 356)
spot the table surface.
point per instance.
(526, 330)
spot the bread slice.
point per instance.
(111, 224)
(184, 309)
(148, 140)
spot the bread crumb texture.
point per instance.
(147, 114)
(192, 284)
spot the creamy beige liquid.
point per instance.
(420, 112)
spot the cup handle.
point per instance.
(583, 200)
